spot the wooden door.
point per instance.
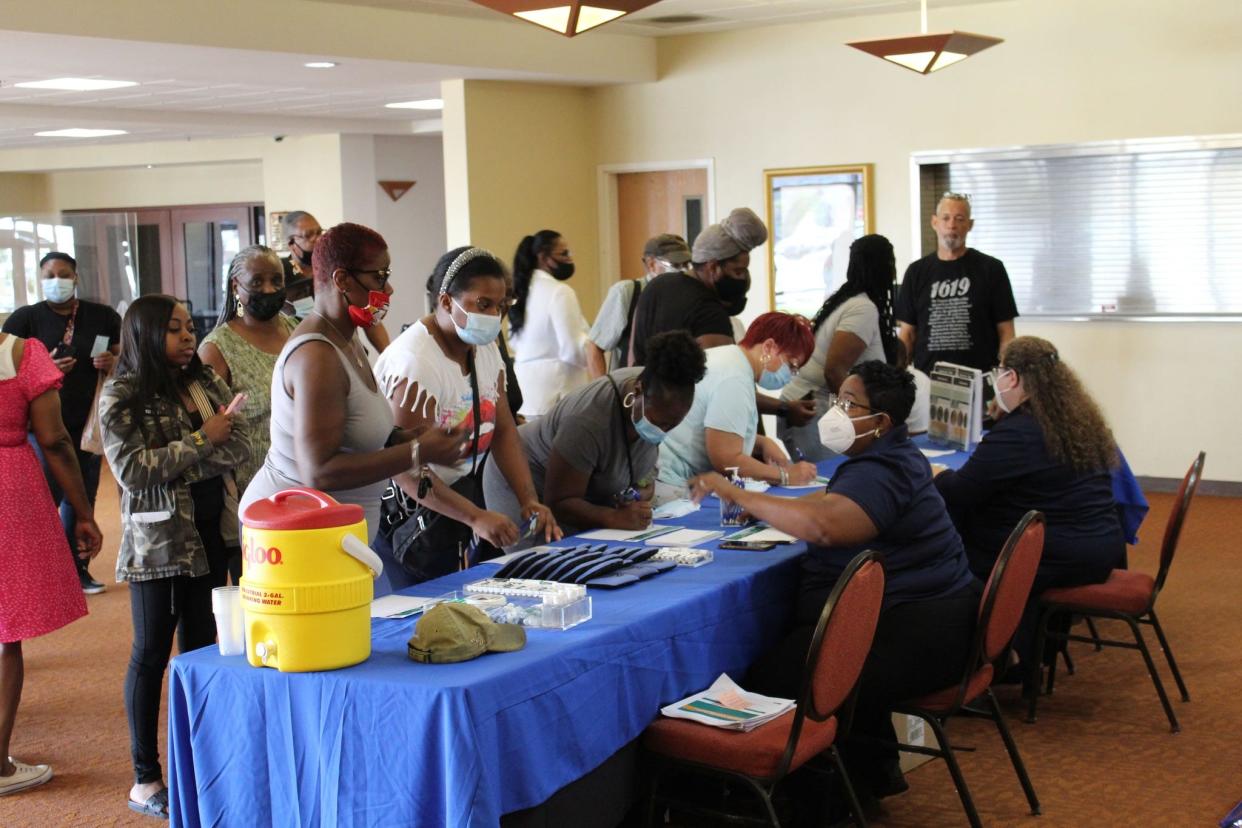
(651, 203)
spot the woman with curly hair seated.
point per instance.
(1050, 450)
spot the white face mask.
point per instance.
(58, 290)
(836, 430)
(1000, 394)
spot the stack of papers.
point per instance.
(627, 535)
(762, 532)
(688, 537)
(726, 705)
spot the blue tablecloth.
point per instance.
(391, 742)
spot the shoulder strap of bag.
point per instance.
(198, 395)
(476, 410)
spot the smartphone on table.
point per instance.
(752, 546)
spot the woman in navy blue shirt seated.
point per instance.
(1050, 450)
(881, 498)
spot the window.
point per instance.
(1136, 229)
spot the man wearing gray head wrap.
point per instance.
(703, 300)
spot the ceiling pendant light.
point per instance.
(569, 19)
(926, 53)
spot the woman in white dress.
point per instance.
(546, 325)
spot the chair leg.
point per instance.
(1011, 748)
(860, 818)
(649, 815)
(1036, 668)
(963, 792)
(1168, 654)
(1052, 667)
(766, 796)
(1069, 662)
(1094, 633)
(1155, 676)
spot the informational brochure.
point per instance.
(688, 537)
(628, 535)
(956, 405)
(728, 706)
(761, 532)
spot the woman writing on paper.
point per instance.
(719, 432)
(882, 498)
(593, 455)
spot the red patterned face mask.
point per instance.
(374, 312)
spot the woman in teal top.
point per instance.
(244, 345)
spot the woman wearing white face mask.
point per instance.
(719, 432)
(1051, 450)
(593, 455)
(445, 372)
(883, 498)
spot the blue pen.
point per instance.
(798, 455)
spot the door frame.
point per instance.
(610, 222)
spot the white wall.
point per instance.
(162, 185)
(414, 226)
(1069, 71)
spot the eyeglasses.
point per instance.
(849, 405)
(381, 276)
(311, 237)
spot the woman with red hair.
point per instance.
(331, 427)
(720, 432)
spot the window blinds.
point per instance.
(1131, 229)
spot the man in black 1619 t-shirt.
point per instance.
(955, 305)
(70, 327)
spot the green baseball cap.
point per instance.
(454, 631)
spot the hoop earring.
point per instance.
(628, 400)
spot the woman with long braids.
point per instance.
(1052, 450)
(173, 447)
(244, 345)
(546, 324)
(855, 324)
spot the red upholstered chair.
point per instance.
(1000, 610)
(765, 755)
(1128, 596)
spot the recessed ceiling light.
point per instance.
(428, 104)
(76, 84)
(320, 64)
(78, 132)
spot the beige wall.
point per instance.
(162, 185)
(23, 193)
(529, 165)
(1069, 71)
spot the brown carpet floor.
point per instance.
(1100, 755)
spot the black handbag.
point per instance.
(426, 543)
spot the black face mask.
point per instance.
(563, 271)
(263, 306)
(304, 256)
(732, 293)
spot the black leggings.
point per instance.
(919, 647)
(159, 608)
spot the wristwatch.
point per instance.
(198, 438)
(783, 409)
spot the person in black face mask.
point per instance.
(244, 345)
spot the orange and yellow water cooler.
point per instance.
(307, 582)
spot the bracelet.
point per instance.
(414, 464)
(784, 475)
(783, 409)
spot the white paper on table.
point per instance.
(817, 483)
(675, 509)
(400, 606)
(937, 452)
(627, 534)
(770, 535)
(688, 537)
(755, 485)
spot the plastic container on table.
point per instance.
(731, 514)
(531, 603)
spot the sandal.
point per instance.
(156, 805)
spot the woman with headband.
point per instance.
(445, 371)
(330, 428)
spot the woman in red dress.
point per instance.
(39, 592)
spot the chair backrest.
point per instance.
(840, 646)
(1008, 588)
(843, 636)
(1173, 529)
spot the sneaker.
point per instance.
(26, 776)
(90, 586)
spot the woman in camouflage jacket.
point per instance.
(172, 448)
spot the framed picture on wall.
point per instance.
(814, 214)
(275, 238)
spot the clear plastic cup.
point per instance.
(230, 626)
